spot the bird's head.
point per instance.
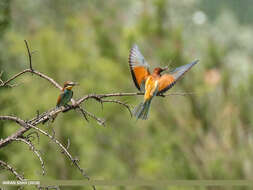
(69, 85)
(158, 70)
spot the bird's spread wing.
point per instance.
(138, 67)
(168, 80)
(165, 83)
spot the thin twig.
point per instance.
(74, 161)
(1, 81)
(31, 70)
(52, 81)
(99, 120)
(34, 150)
(12, 170)
(30, 136)
(27, 125)
(29, 55)
(120, 94)
(121, 103)
(68, 145)
(83, 113)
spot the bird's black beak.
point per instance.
(74, 84)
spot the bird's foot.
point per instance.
(67, 106)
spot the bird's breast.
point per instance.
(151, 86)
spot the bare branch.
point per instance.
(1, 74)
(31, 137)
(65, 151)
(31, 70)
(83, 113)
(121, 103)
(49, 79)
(52, 81)
(27, 125)
(16, 119)
(52, 112)
(99, 120)
(120, 94)
(53, 132)
(177, 94)
(11, 169)
(29, 55)
(68, 145)
(34, 150)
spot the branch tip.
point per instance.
(29, 55)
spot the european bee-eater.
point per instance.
(64, 98)
(66, 95)
(151, 84)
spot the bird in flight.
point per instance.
(66, 95)
(154, 83)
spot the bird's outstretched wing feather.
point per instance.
(138, 66)
(168, 80)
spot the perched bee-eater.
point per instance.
(66, 95)
(151, 84)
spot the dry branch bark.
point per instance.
(34, 150)
(12, 170)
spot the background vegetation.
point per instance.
(207, 135)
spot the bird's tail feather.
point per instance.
(141, 111)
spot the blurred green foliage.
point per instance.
(207, 135)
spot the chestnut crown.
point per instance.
(158, 70)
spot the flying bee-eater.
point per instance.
(154, 83)
(66, 95)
